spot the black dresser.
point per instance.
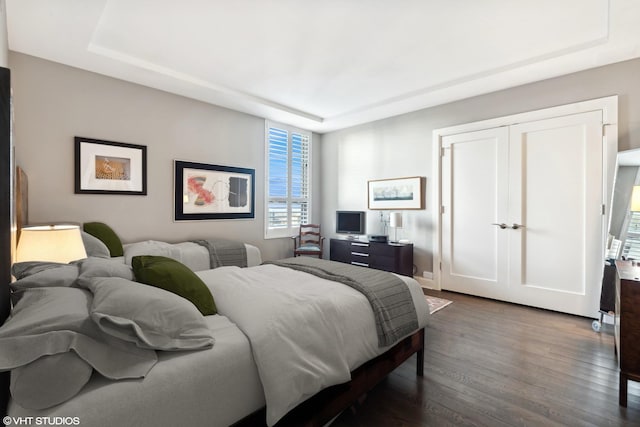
(393, 257)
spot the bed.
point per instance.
(258, 346)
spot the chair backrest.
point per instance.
(310, 233)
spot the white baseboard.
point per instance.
(425, 283)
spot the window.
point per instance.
(288, 192)
(631, 247)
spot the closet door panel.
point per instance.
(475, 189)
(556, 194)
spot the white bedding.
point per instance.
(221, 385)
(306, 333)
(213, 387)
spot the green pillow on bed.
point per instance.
(107, 235)
(173, 276)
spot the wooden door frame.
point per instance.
(607, 105)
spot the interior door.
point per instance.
(556, 179)
(475, 195)
(522, 213)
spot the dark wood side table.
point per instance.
(627, 324)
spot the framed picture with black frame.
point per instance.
(108, 167)
(203, 191)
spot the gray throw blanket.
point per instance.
(225, 252)
(388, 295)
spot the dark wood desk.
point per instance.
(627, 324)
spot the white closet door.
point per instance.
(543, 181)
(556, 168)
(475, 194)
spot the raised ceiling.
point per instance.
(326, 65)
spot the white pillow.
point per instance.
(150, 317)
(149, 247)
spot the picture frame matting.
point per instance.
(109, 167)
(396, 193)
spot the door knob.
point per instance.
(516, 226)
(502, 225)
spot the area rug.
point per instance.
(436, 303)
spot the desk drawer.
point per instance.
(359, 247)
(359, 257)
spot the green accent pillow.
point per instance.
(107, 235)
(173, 276)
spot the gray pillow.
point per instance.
(94, 246)
(49, 380)
(147, 316)
(54, 320)
(100, 267)
(43, 274)
(37, 274)
(24, 269)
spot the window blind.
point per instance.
(288, 180)
(631, 247)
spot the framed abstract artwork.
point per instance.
(204, 191)
(107, 167)
(396, 193)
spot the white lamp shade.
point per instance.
(395, 219)
(55, 243)
(635, 199)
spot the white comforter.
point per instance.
(306, 333)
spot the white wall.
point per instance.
(393, 148)
(53, 103)
(402, 146)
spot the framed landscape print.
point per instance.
(107, 167)
(396, 193)
(204, 191)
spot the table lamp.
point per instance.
(55, 243)
(395, 221)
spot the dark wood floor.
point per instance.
(489, 363)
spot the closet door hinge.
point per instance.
(603, 209)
